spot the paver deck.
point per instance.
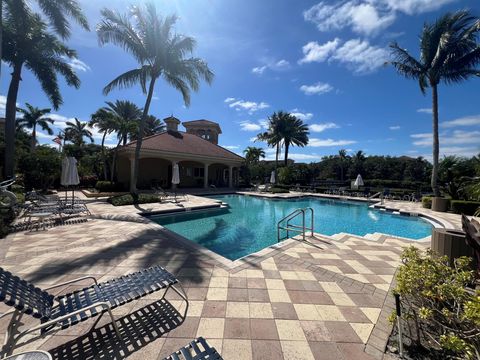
(322, 300)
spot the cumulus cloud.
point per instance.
(322, 127)
(314, 52)
(463, 121)
(329, 142)
(77, 64)
(229, 100)
(394, 127)
(250, 126)
(249, 106)
(231, 147)
(273, 65)
(316, 89)
(305, 116)
(357, 55)
(425, 110)
(361, 16)
(457, 137)
(415, 6)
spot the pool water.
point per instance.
(249, 224)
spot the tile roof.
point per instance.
(182, 142)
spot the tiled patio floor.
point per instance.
(298, 302)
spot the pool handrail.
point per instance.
(289, 227)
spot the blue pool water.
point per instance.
(249, 224)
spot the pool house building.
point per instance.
(202, 162)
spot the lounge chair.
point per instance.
(198, 349)
(63, 311)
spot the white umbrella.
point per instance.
(175, 178)
(69, 173)
(359, 181)
(272, 177)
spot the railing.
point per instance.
(290, 227)
(380, 193)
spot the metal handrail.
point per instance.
(289, 227)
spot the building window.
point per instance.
(199, 172)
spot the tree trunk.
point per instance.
(436, 145)
(276, 162)
(10, 116)
(104, 157)
(114, 161)
(34, 137)
(133, 182)
(286, 153)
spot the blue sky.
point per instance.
(322, 61)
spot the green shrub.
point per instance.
(7, 215)
(107, 186)
(438, 304)
(427, 202)
(128, 199)
(40, 168)
(284, 187)
(464, 207)
(285, 175)
(277, 190)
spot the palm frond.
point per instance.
(128, 79)
(57, 12)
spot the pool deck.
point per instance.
(325, 299)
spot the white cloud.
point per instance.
(314, 52)
(394, 127)
(253, 139)
(249, 106)
(249, 126)
(360, 56)
(457, 137)
(273, 65)
(357, 55)
(301, 115)
(322, 127)
(259, 69)
(463, 121)
(329, 142)
(263, 123)
(77, 64)
(459, 151)
(229, 100)
(415, 6)
(362, 17)
(425, 110)
(319, 88)
(3, 106)
(231, 147)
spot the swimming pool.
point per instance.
(249, 224)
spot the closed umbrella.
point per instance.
(69, 174)
(175, 178)
(272, 177)
(359, 181)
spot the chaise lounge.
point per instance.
(63, 311)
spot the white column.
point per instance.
(205, 176)
(230, 176)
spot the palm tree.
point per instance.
(128, 116)
(153, 125)
(358, 160)
(273, 136)
(449, 53)
(293, 133)
(76, 131)
(253, 154)
(33, 116)
(28, 43)
(105, 122)
(342, 155)
(160, 53)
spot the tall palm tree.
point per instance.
(342, 155)
(76, 131)
(273, 136)
(33, 116)
(128, 116)
(253, 154)
(358, 160)
(293, 133)
(153, 125)
(449, 53)
(28, 43)
(105, 122)
(159, 51)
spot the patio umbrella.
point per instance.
(359, 181)
(175, 178)
(272, 177)
(69, 174)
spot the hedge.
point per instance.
(464, 207)
(128, 199)
(107, 186)
(427, 202)
(277, 190)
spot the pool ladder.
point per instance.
(284, 223)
